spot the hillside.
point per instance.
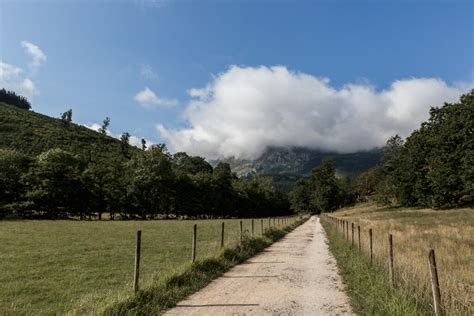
(34, 133)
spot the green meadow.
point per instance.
(52, 267)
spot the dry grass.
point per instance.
(415, 231)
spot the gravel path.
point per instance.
(295, 276)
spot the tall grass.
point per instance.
(415, 231)
(366, 285)
(50, 267)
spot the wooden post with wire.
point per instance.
(435, 283)
(222, 235)
(241, 232)
(193, 252)
(136, 274)
(371, 254)
(390, 261)
(261, 226)
(253, 229)
(358, 237)
(352, 230)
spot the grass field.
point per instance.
(51, 267)
(415, 231)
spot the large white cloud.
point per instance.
(247, 109)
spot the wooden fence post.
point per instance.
(253, 230)
(347, 230)
(136, 274)
(193, 253)
(358, 237)
(352, 230)
(222, 235)
(435, 283)
(390, 261)
(241, 232)
(370, 246)
(261, 226)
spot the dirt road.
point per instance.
(295, 276)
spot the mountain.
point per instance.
(34, 133)
(287, 165)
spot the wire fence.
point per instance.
(435, 291)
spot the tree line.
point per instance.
(59, 184)
(10, 97)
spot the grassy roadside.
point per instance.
(165, 292)
(367, 286)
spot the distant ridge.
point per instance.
(286, 165)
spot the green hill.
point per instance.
(34, 133)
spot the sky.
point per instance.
(231, 78)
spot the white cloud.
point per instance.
(96, 127)
(35, 53)
(133, 140)
(147, 72)
(148, 98)
(12, 78)
(245, 110)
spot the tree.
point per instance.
(124, 144)
(66, 117)
(105, 125)
(10, 97)
(299, 196)
(191, 164)
(150, 183)
(143, 144)
(324, 188)
(54, 184)
(13, 165)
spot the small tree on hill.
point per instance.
(105, 125)
(66, 117)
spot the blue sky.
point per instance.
(100, 54)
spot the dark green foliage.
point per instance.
(13, 165)
(322, 191)
(434, 167)
(10, 97)
(54, 185)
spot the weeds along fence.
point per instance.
(434, 289)
(246, 228)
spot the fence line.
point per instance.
(439, 299)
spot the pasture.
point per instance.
(415, 231)
(52, 267)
